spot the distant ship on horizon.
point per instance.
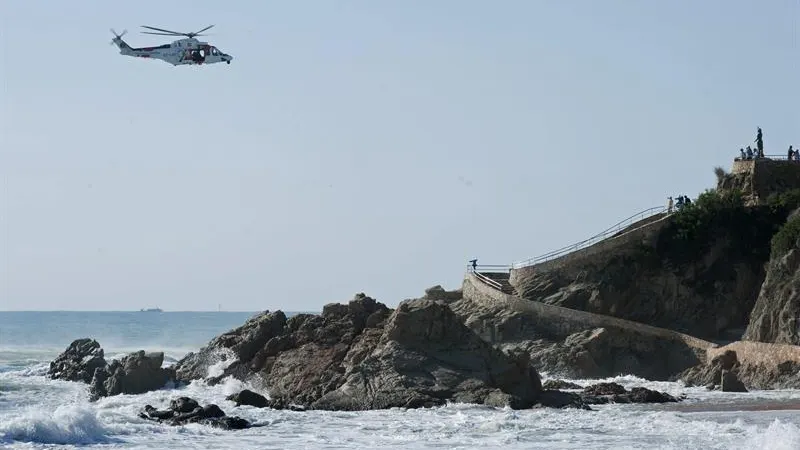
(151, 310)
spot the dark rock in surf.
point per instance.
(250, 398)
(136, 373)
(78, 362)
(560, 384)
(729, 382)
(552, 398)
(604, 389)
(602, 393)
(185, 410)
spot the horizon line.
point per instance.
(163, 310)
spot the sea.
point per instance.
(37, 413)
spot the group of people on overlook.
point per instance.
(749, 153)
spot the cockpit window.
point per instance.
(214, 51)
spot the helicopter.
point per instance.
(179, 52)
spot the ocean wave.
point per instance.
(65, 425)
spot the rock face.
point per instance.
(776, 314)
(234, 347)
(593, 353)
(426, 357)
(363, 355)
(702, 281)
(78, 362)
(136, 373)
(727, 373)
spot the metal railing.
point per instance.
(772, 157)
(488, 268)
(608, 232)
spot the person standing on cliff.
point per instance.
(790, 155)
(760, 143)
(474, 263)
(669, 205)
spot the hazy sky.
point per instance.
(360, 145)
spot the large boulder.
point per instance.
(426, 357)
(363, 355)
(135, 373)
(78, 362)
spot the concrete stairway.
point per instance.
(498, 280)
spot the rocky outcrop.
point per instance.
(698, 272)
(776, 315)
(593, 353)
(232, 348)
(135, 373)
(78, 362)
(603, 393)
(426, 357)
(726, 372)
(185, 410)
(362, 355)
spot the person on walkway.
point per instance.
(760, 143)
(474, 263)
(744, 156)
(749, 152)
(790, 155)
(669, 205)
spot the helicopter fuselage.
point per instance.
(179, 52)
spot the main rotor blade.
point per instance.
(196, 33)
(165, 31)
(162, 34)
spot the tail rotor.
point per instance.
(117, 37)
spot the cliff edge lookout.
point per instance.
(578, 287)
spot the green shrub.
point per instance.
(719, 215)
(786, 238)
(784, 202)
(692, 222)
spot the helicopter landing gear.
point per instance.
(228, 62)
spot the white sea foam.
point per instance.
(56, 412)
(39, 413)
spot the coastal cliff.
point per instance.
(698, 272)
(776, 315)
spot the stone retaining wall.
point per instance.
(754, 353)
(562, 322)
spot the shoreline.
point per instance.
(738, 405)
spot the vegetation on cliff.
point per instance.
(700, 273)
(722, 214)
